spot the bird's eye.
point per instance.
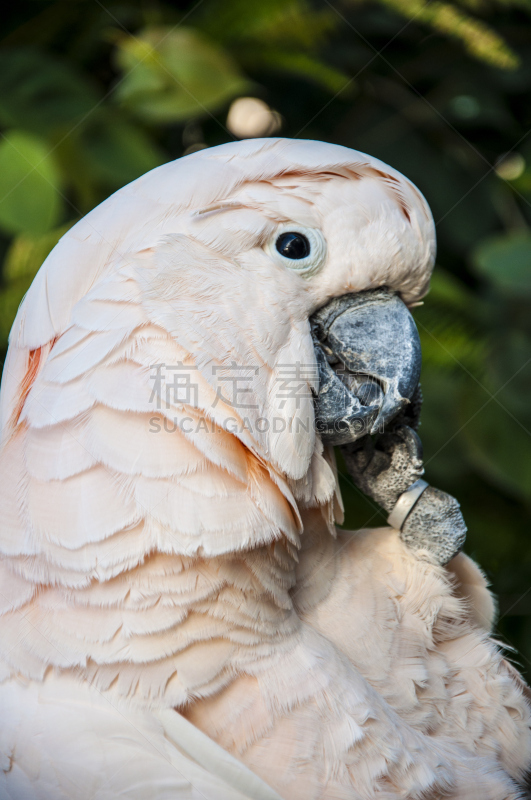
(293, 245)
(301, 249)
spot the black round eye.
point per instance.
(293, 245)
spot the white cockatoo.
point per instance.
(179, 617)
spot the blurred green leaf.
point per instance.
(305, 66)
(506, 261)
(22, 261)
(30, 201)
(39, 93)
(174, 74)
(292, 24)
(479, 39)
(498, 444)
(510, 367)
(448, 290)
(450, 335)
(116, 151)
(440, 426)
(27, 253)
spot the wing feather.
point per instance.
(82, 357)
(86, 507)
(57, 452)
(163, 757)
(108, 315)
(52, 403)
(138, 443)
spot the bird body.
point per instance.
(179, 615)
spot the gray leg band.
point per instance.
(404, 504)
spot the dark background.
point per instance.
(93, 94)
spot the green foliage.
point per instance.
(479, 39)
(24, 256)
(305, 66)
(94, 95)
(174, 74)
(506, 262)
(499, 444)
(29, 184)
(114, 150)
(280, 36)
(40, 93)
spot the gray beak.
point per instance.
(368, 356)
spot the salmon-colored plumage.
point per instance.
(179, 616)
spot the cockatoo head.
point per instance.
(270, 263)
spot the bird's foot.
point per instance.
(388, 469)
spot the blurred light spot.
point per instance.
(249, 117)
(509, 167)
(465, 106)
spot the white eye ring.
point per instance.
(305, 266)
